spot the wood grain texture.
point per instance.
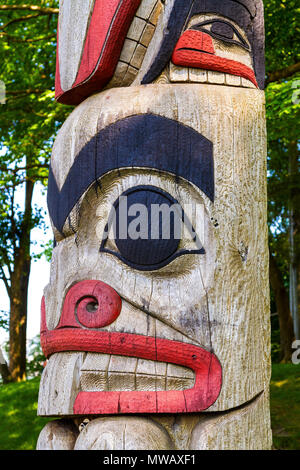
(128, 433)
(72, 39)
(58, 435)
(211, 301)
(246, 428)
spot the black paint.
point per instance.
(222, 30)
(142, 141)
(248, 14)
(146, 253)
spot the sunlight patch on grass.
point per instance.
(279, 384)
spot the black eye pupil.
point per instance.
(164, 225)
(222, 29)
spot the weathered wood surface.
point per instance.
(90, 58)
(244, 428)
(222, 310)
(189, 342)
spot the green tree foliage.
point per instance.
(29, 121)
(283, 111)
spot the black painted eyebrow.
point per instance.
(141, 141)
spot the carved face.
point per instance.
(224, 37)
(136, 323)
(155, 327)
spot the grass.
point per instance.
(20, 427)
(285, 406)
(19, 424)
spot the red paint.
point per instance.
(196, 40)
(194, 49)
(75, 313)
(208, 371)
(107, 31)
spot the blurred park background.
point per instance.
(30, 119)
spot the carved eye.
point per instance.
(222, 30)
(145, 229)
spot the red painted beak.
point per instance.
(196, 49)
(106, 34)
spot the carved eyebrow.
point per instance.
(248, 6)
(139, 141)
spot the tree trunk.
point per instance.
(4, 370)
(283, 309)
(294, 210)
(19, 295)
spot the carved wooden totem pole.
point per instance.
(155, 322)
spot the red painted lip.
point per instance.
(206, 366)
(195, 49)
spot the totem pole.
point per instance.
(155, 322)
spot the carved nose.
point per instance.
(91, 304)
(193, 40)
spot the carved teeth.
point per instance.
(102, 372)
(135, 46)
(192, 75)
(216, 77)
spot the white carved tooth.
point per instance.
(179, 371)
(150, 383)
(178, 74)
(93, 381)
(119, 75)
(121, 382)
(145, 367)
(247, 84)
(215, 77)
(129, 76)
(175, 383)
(96, 362)
(122, 364)
(145, 8)
(138, 56)
(161, 368)
(128, 50)
(155, 13)
(136, 28)
(197, 75)
(147, 35)
(232, 80)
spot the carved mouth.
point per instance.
(105, 372)
(205, 366)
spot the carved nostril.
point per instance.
(99, 307)
(90, 304)
(92, 307)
